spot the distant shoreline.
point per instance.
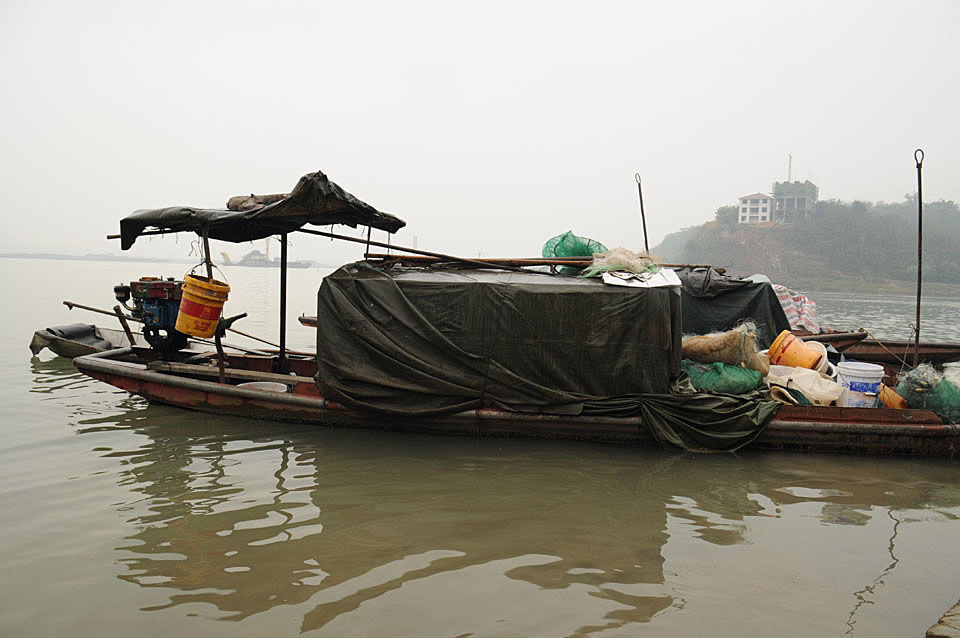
(838, 284)
(94, 257)
(126, 259)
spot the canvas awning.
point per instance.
(315, 200)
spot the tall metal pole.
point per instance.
(282, 361)
(643, 216)
(918, 156)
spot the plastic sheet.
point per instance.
(416, 344)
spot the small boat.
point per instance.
(78, 339)
(894, 352)
(258, 259)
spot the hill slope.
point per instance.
(842, 243)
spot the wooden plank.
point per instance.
(231, 373)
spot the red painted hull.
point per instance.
(849, 430)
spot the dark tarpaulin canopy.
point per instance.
(713, 302)
(418, 344)
(315, 200)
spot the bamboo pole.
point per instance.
(527, 261)
(123, 322)
(476, 262)
(216, 336)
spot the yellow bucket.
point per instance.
(890, 399)
(201, 305)
(788, 350)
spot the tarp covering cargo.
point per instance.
(315, 200)
(416, 343)
(713, 302)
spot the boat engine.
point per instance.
(156, 303)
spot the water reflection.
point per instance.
(347, 528)
(342, 525)
(54, 375)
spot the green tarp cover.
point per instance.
(315, 200)
(415, 343)
(713, 302)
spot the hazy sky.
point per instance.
(489, 127)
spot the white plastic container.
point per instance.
(267, 386)
(861, 382)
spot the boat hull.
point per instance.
(818, 429)
(894, 352)
(857, 345)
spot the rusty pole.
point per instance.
(643, 216)
(918, 156)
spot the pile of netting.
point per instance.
(927, 388)
(737, 347)
(623, 260)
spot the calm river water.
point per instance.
(122, 518)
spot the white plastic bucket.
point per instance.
(861, 382)
(825, 368)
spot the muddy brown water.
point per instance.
(124, 517)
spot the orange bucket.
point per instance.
(201, 305)
(788, 350)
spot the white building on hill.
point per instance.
(755, 209)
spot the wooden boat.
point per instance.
(295, 397)
(894, 352)
(410, 365)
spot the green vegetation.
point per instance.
(842, 241)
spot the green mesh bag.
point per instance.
(926, 388)
(720, 378)
(569, 245)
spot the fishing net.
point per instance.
(720, 378)
(924, 387)
(570, 245)
(620, 259)
(737, 347)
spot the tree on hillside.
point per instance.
(727, 215)
(870, 241)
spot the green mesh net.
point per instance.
(926, 388)
(570, 245)
(721, 378)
